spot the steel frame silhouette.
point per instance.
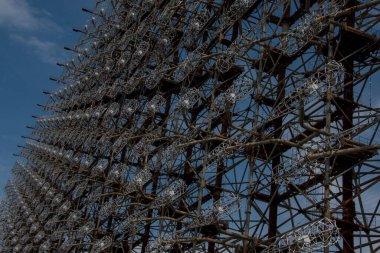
(206, 126)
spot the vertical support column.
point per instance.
(226, 122)
(219, 173)
(155, 179)
(146, 235)
(348, 203)
(276, 162)
(328, 112)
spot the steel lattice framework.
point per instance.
(207, 126)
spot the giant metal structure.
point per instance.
(207, 126)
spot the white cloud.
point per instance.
(19, 14)
(46, 51)
(27, 22)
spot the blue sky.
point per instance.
(32, 36)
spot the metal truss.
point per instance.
(207, 126)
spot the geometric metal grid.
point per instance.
(206, 126)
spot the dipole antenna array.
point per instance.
(206, 126)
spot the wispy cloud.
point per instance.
(27, 25)
(19, 14)
(46, 51)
